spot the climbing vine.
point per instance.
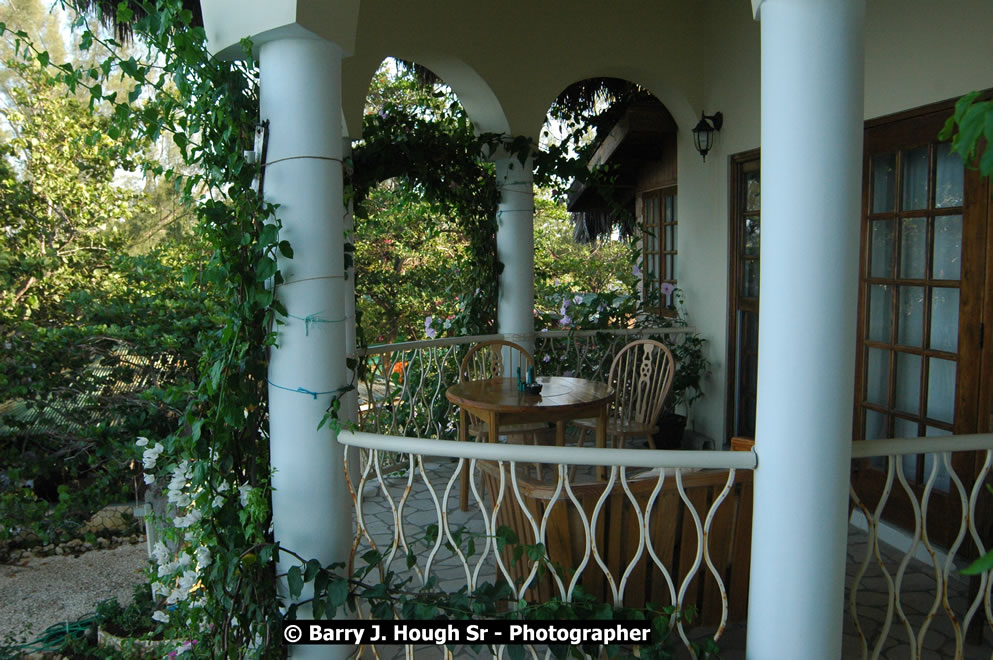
(217, 560)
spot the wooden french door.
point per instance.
(743, 285)
(923, 289)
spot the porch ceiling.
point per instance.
(507, 61)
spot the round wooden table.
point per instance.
(497, 402)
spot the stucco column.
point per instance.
(812, 113)
(300, 89)
(515, 249)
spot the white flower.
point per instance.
(149, 478)
(245, 491)
(182, 522)
(141, 442)
(160, 616)
(203, 557)
(149, 456)
(160, 552)
(217, 502)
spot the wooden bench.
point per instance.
(617, 534)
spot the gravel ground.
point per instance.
(44, 591)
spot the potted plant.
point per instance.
(130, 628)
(692, 366)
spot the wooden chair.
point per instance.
(496, 358)
(641, 375)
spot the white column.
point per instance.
(812, 114)
(515, 249)
(300, 90)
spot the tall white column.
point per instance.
(300, 89)
(812, 114)
(515, 249)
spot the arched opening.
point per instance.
(425, 207)
(618, 215)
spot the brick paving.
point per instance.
(918, 591)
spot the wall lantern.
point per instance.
(703, 132)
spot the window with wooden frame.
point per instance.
(743, 299)
(659, 243)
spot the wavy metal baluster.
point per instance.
(437, 509)
(543, 539)
(984, 579)
(641, 534)
(953, 550)
(694, 569)
(491, 526)
(649, 507)
(601, 501)
(872, 549)
(488, 534)
(586, 534)
(706, 552)
(905, 562)
(401, 541)
(938, 576)
(534, 527)
(448, 533)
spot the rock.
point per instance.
(59, 551)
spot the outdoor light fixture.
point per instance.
(703, 132)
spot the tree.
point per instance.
(61, 206)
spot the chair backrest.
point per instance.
(497, 358)
(641, 375)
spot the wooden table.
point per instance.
(497, 402)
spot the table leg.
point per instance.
(560, 433)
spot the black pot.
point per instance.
(670, 435)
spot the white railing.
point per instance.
(402, 386)
(666, 528)
(926, 597)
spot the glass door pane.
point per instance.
(911, 296)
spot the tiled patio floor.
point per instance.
(918, 589)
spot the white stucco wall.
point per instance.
(917, 52)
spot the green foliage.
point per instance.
(64, 212)
(969, 128)
(209, 109)
(599, 273)
(135, 620)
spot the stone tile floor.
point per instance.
(918, 584)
